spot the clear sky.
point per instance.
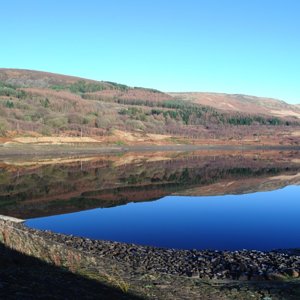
(232, 46)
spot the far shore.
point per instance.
(92, 149)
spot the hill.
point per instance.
(242, 103)
(39, 104)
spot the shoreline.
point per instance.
(245, 265)
(161, 273)
(82, 149)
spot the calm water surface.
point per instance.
(262, 221)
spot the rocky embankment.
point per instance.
(236, 265)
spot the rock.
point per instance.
(243, 277)
(292, 273)
(257, 277)
(276, 276)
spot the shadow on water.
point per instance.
(25, 277)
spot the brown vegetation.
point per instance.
(39, 104)
(242, 103)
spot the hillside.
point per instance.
(39, 104)
(242, 103)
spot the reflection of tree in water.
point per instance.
(52, 189)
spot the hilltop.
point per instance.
(37, 107)
(242, 103)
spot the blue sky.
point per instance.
(232, 46)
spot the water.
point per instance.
(221, 201)
(261, 221)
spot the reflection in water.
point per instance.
(56, 186)
(261, 221)
(251, 219)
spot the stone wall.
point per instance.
(45, 246)
(31, 242)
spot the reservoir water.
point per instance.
(261, 221)
(200, 200)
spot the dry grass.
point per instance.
(242, 103)
(54, 140)
(114, 280)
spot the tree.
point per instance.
(9, 104)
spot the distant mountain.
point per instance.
(242, 103)
(37, 104)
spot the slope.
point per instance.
(38, 104)
(242, 103)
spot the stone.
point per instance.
(276, 276)
(292, 273)
(193, 274)
(243, 277)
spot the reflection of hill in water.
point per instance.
(34, 189)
